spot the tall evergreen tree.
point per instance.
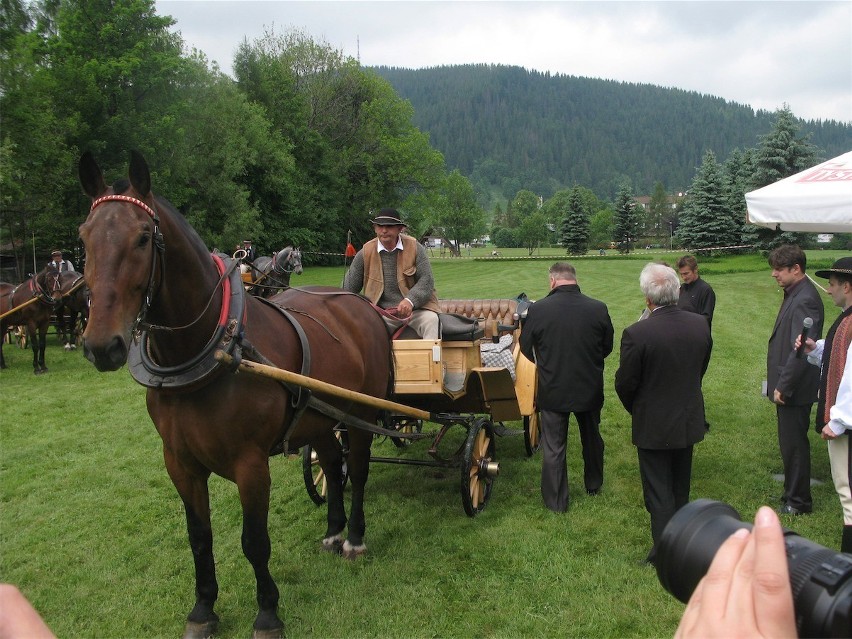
(781, 153)
(739, 168)
(707, 220)
(575, 224)
(626, 219)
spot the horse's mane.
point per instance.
(123, 184)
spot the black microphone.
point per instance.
(807, 323)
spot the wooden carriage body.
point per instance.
(449, 376)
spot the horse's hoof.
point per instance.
(38, 371)
(200, 630)
(73, 347)
(333, 544)
(352, 552)
(269, 633)
(67, 347)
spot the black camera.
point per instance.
(821, 578)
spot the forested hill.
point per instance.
(508, 128)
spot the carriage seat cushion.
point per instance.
(460, 328)
(491, 312)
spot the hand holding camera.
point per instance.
(765, 581)
(746, 591)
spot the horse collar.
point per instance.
(204, 367)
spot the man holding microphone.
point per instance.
(791, 384)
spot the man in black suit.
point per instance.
(790, 382)
(663, 360)
(568, 335)
(696, 295)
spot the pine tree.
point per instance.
(626, 220)
(707, 220)
(575, 224)
(781, 153)
(739, 168)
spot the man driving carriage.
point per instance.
(60, 264)
(394, 272)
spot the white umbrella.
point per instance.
(817, 200)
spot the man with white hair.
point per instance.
(663, 360)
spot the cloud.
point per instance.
(762, 54)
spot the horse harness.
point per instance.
(229, 337)
(37, 291)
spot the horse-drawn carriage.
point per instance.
(475, 377)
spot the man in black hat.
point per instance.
(60, 264)
(834, 408)
(394, 272)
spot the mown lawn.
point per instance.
(93, 533)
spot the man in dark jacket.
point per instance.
(568, 335)
(790, 382)
(696, 295)
(663, 360)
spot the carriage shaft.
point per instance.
(324, 387)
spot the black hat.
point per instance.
(388, 217)
(246, 241)
(842, 266)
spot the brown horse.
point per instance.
(72, 305)
(36, 297)
(164, 304)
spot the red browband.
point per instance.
(124, 198)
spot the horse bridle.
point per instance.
(284, 270)
(158, 251)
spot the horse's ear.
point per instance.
(90, 176)
(140, 177)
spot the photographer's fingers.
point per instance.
(773, 597)
(707, 614)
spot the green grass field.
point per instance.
(92, 531)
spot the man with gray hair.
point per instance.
(663, 360)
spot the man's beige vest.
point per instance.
(406, 270)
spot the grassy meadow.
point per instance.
(93, 533)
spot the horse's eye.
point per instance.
(143, 241)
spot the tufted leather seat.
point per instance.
(492, 312)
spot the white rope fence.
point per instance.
(497, 257)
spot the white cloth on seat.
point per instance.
(498, 355)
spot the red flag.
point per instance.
(350, 250)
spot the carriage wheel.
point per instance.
(316, 483)
(479, 468)
(532, 432)
(21, 336)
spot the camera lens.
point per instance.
(820, 578)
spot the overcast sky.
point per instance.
(762, 54)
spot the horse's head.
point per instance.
(288, 260)
(49, 283)
(121, 236)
